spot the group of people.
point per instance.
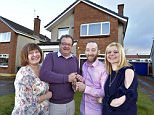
(48, 87)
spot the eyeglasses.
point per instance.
(66, 44)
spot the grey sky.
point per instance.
(140, 29)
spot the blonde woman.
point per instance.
(31, 94)
(121, 85)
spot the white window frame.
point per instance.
(45, 53)
(87, 31)
(5, 64)
(5, 37)
(63, 29)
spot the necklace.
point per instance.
(112, 80)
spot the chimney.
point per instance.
(37, 26)
(120, 9)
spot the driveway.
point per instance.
(147, 86)
(6, 87)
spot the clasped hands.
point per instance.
(77, 82)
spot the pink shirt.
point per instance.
(94, 77)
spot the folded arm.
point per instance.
(125, 91)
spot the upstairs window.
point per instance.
(4, 60)
(62, 31)
(5, 37)
(95, 29)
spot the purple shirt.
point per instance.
(55, 70)
(95, 77)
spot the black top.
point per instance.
(115, 88)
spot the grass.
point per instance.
(145, 105)
(77, 103)
(6, 104)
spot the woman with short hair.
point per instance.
(31, 94)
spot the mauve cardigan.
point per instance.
(55, 71)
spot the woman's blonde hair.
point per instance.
(25, 51)
(123, 62)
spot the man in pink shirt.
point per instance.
(94, 77)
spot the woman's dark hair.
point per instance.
(25, 51)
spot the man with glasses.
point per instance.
(60, 69)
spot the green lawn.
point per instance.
(6, 104)
(145, 106)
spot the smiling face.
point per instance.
(34, 57)
(91, 52)
(66, 46)
(31, 54)
(113, 55)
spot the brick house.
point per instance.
(88, 21)
(152, 57)
(12, 38)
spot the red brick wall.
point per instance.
(8, 48)
(84, 13)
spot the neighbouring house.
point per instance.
(138, 58)
(141, 63)
(152, 57)
(88, 21)
(12, 38)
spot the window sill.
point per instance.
(2, 66)
(96, 36)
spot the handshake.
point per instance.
(77, 82)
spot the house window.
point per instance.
(4, 60)
(5, 37)
(62, 31)
(105, 28)
(95, 29)
(83, 30)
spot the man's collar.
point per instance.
(93, 64)
(59, 54)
